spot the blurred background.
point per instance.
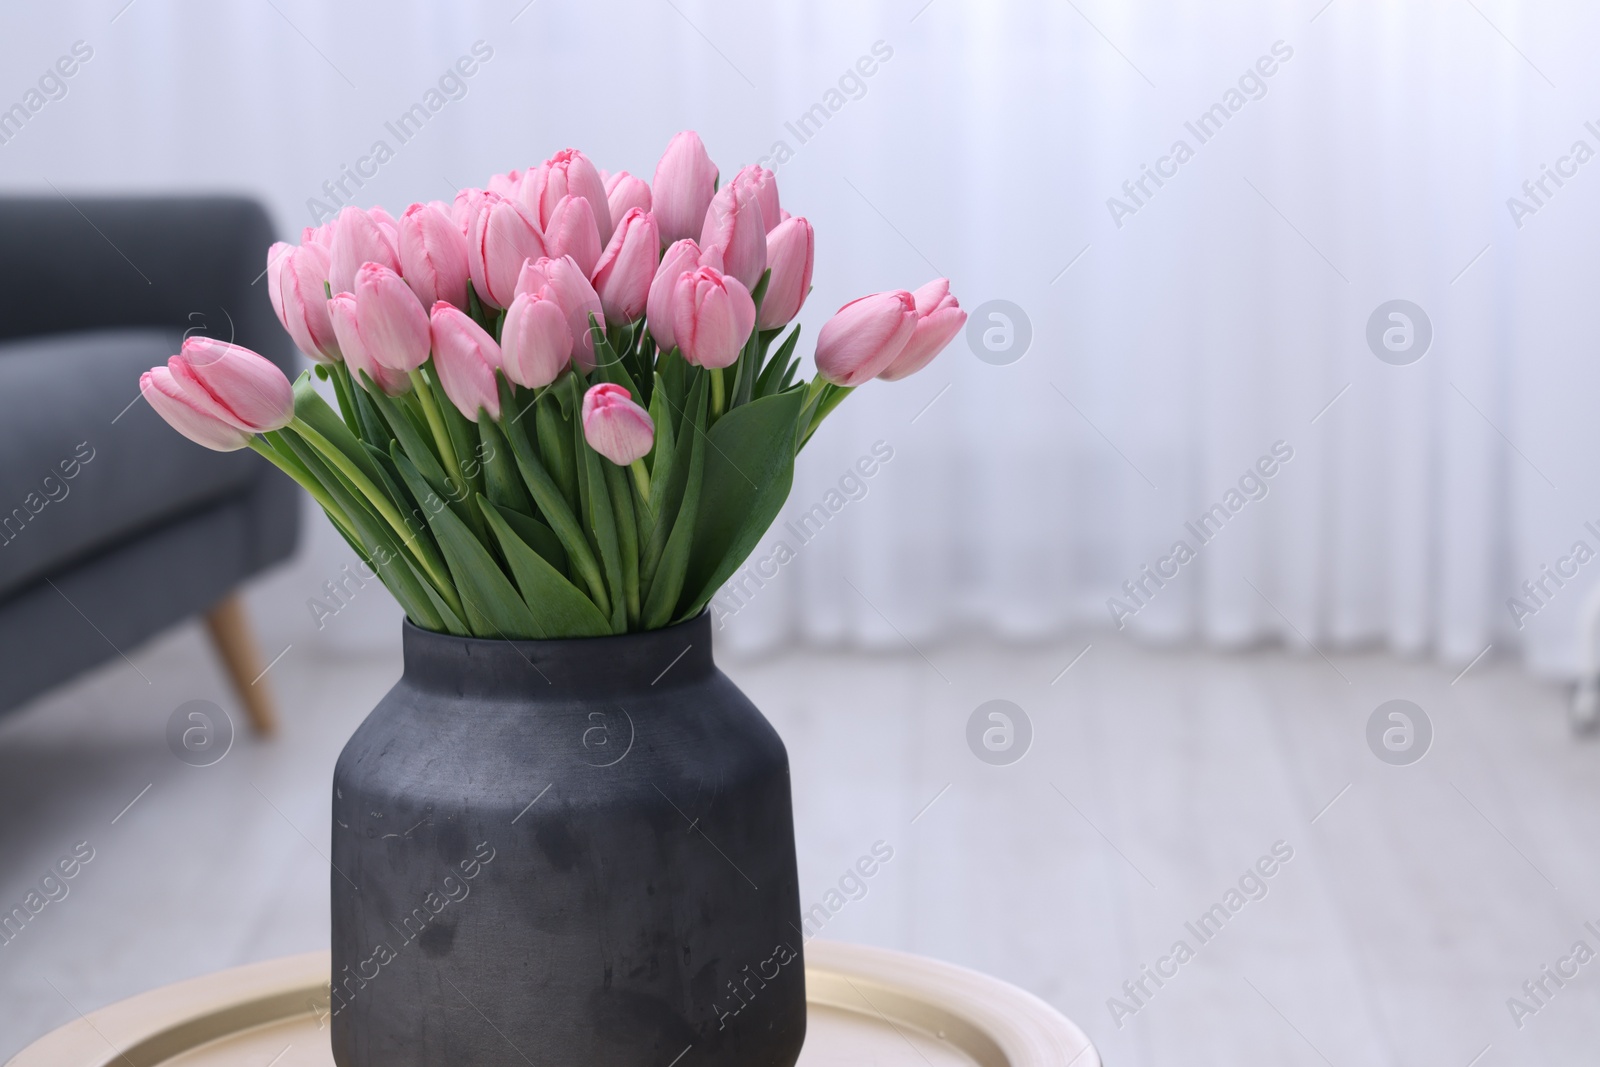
(1306, 286)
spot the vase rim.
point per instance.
(559, 666)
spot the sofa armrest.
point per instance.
(188, 263)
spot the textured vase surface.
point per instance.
(563, 853)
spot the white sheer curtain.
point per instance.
(1227, 313)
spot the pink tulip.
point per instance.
(682, 258)
(615, 426)
(572, 232)
(684, 183)
(622, 277)
(502, 239)
(433, 256)
(507, 184)
(359, 238)
(295, 279)
(624, 192)
(248, 385)
(712, 317)
(345, 313)
(192, 413)
(734, 237)
(535, 340)
(791, 251)
(464, 208)
(319, 235)
(393, 324)
(211, 387)
(576, 297)
(939, 318)
(764, 185)
(465, 358)
(865, 336)
(567, 173)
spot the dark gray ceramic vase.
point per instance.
(569, 853)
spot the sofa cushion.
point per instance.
(84, 461)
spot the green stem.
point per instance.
(716, 392)
(441, 435)
(641, 479)
(304, 479)
(830, 398)
(379, 499)
(339, 374)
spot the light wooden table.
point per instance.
(867, 1006)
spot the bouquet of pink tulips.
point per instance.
(559, 414)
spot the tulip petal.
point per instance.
(195, 421)
(248, 388)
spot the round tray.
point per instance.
(867, 1006)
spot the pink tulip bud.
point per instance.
(535, 340)
(345, 313)
(393, 325)
(764, 185)
(865, 336)
(464, 208)
(624, 192)
(295, 280)
(791, 251)
(358, 238)
(319, 235)
(622, 277)
(712, 317)
(684, 183)
(939, 318)
(680, 259)
(433, 256)
(503, 238)
(508, 184)
(192, 413)
(245, 390)
(465, 358)
(576, 297)
(734, 237)
(567, 173)
(572, 233)
(615, 426)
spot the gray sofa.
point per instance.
(112, 526)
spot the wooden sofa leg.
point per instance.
(230, 632)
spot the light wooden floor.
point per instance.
(1413, 906)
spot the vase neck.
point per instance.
(577, 667)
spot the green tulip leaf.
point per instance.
(377, 542)
(667, 585)
(537, 536)
(493, 606)
(314, 411)
(600, 524)
(749, 468)
(668, 477)
(502, 483)
(773, 376)
(553, 433)
(560, 607)
(553, 506)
